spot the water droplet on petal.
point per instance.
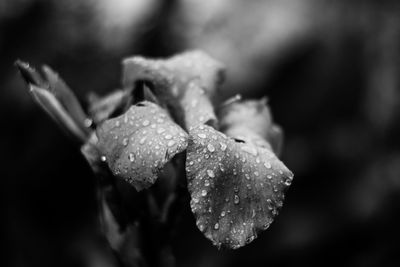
(236, 199)
(204, 193)
(103, 158)
(145, 123)
(287, 182)
(168, 137)
(171, 143)
(210, 173)
(216, 226)
(267, 165)
(210, 148)
(125, 141)
(160, 130)
(131, 157)
(142, 140)
(223, 146)
(201, 227)
(207, 182)
(201, 135)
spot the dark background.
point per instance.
(331, 71)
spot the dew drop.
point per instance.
(270, 204)
(125, 141)
(117, 124)
(216, 226)
(103, 158)
(142, 140)
(201, 135)
(191, 163)
(203, 193)
(171, 143)
(207, 182)
(210, 173)
(287, 182)
(160, 130)
(201, 227)
(221, 167)
(210, 148)
(131, 157)
(267, 165)
(236, 199)
(223, 214)
(223, 146)
(168, 137)
(145, 123)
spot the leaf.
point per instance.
(137, 144)
(236, 188)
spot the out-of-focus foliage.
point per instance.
(329, 68)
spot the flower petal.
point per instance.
(251, 120)
(175, 72)
(236, 188)
(186, 81)
(137, 144)
(197, 106)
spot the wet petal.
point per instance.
(174, 73)
(197, 106)
(236, 188)
(183, 82)
(137, 144)
(103, 108)
(251, 120)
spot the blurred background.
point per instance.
(331, 71)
